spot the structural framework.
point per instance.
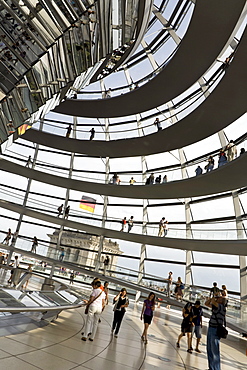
(122, 101)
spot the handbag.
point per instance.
(87, 306)
(222, 332)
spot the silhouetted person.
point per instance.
(34, 245)
(130, 223)
(29, 162)
(242, 151)
(157, 124)
(69, 129)
(158, 179)
(198, 171)
(71, 278)
(92, 133)
(106, 264)
(66, 213)
(7, 237)
(60, 210)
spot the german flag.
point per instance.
(87, 203)
(23, 128)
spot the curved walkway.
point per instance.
(228, 177)
(206, 37)
(233, 247)
(208, 118)
(144, 12)
(59, 345)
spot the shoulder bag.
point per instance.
(222, 332)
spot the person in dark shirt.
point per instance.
(69, 129)
(186, 326)
(92, 134)
(60, 210)
(121, 301)
(34, 245)
(197, 321)
(198, 171)
(66, 213)
(213, 341)
(214, 291)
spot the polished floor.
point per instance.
(59, 345)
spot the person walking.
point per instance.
(147, 314)
(29, 162)
(165, 228)
(106, 264)
(95, 305)
(62, 254)
(130, 223)
(179, 289)
(157, 124)
(224, 294)
(71, 278)
(106, 290)
(121, 301)
(123, 222)
(213, 340)
(161, 226)
(7, 237)
(186, 326)
(28, 275)
(34, 245)
(69, 129)
(169, 284)
(197, 321)
(60, 210)
(66, 213)
(15, 265)
(92, 133)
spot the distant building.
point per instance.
(86, 244)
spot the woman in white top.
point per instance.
(95, 305)
(224, 294)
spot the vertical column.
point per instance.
(107, 178)
(60, 233)
(240, 235)
(143, 252)
(25, 198)
(242, 259)
(188, 214)
(189, 234)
